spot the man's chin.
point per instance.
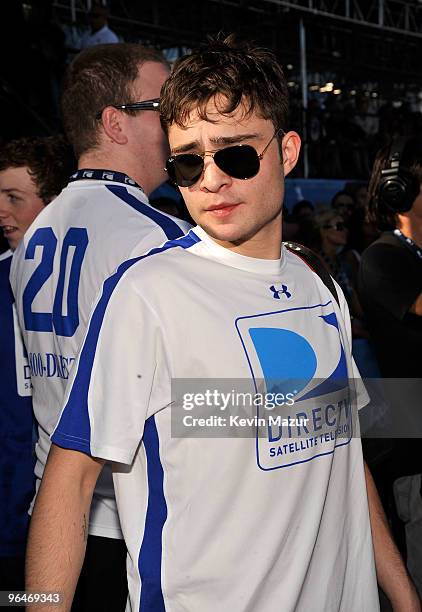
(229, 235)
(226, 233)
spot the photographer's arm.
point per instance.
(391, 571)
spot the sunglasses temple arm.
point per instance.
(276, 133)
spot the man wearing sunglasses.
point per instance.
(232, 515)
(109, 110)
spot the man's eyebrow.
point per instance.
(218, 140)
(9, 189)
(186, 147)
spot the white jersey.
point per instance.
(76, 242)
(257, 519)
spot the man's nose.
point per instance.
(213, 178)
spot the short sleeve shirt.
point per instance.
(261, 518)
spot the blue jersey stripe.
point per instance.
(169, 227)
(150, 554)
(74, 429)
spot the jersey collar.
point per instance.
(98, 174)
(242, 262)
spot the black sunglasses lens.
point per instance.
(240, 161)
(185, 170)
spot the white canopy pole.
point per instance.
(304, 79)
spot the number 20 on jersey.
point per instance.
(76, 242)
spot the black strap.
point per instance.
(314, 262)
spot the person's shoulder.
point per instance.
(48, 214)
(385, 250)
(105, 35)
(386, 241)
(145, 279)
(112, 36)
(158, 232)
(314, 276)
(136, 203)
(305, 260)
(159, 261)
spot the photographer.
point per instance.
(390, 286)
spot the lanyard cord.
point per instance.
(409, 243)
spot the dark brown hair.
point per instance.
(49, 160)
(98, 77)
(240, 72)
(411, 160)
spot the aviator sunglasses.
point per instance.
(239, 161)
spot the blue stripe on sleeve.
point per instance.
(169, 227)
(150, 554)
(73, 429)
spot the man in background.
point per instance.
(33, 171)
(109, 107)
(390, 286)
(100, 33)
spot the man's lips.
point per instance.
(221, 210)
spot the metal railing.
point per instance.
(399, 16)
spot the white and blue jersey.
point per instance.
(17, 480)
(73, 245)
(265, 520)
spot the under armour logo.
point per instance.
(282, 291)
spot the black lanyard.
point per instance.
(103, 175)
(409, 243)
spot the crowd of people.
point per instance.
(120, 316)
(339, 232)
(344, 131)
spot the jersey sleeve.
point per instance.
(121, 376)
(388, 279)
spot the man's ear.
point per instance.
(290, 148)
(113, 125)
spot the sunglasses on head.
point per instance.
(339, 226)
(153, 105)
(239, 161)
